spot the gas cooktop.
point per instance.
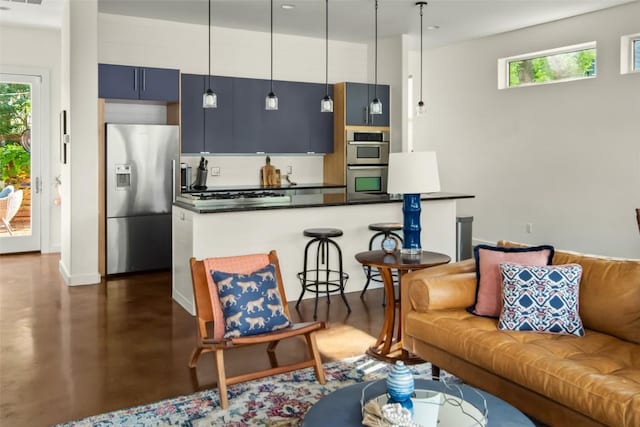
(233, 198)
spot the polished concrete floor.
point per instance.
(71, 352)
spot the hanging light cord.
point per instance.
(209, 44)
(271, 46)
(421, 5)
(326, 46)
(375, 71)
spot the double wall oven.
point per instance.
(367, 162)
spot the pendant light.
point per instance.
(326, 104)
(209, 98)
(271, 101)
(420, 109)
(376, 106)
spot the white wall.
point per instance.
(79, 261)
(564, 157)
(30, 48)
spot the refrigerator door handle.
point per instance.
(173, 180)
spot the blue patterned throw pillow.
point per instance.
(541, 298)
(250, 303)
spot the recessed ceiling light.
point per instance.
(288, 6)
(433, 27)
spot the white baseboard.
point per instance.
(78, 280)
(186, 303)
(476, 241)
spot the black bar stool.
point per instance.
(384, 230)
(334, 280)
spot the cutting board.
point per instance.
(269, 175)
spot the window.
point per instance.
(549, 66)
(630, 54)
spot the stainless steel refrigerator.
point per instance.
(142, 182)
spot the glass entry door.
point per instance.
(20, 145)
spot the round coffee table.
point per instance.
(342, 407)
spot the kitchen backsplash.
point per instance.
(245, 170)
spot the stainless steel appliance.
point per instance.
(366, 179)
(233, 198)
(185, 176)
(142, 182)
(367, 148)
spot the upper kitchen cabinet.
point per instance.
(206, 130)
(297, 126)
(192, 114)
(140, 83)
(358, 98)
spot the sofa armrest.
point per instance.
(439, 288)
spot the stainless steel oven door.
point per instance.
(367, 153)
(366, 179)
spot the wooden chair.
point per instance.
(210, 318)
(9, 207)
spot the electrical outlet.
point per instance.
(529, 228)
(289, 170)
(215, 171)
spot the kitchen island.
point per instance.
(228, 230)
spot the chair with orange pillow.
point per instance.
(211, 322)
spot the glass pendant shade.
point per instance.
(326, 104)
(271, 102)
(375, 107)
(421, 109)
(209, 99)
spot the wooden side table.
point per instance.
(389, 347)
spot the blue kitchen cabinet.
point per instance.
(192, 114)
(320, 124)
(358, 98)
(287, 129)
(138, 83)
(206, 130)
(248, 117)
(218, 133)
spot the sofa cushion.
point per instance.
(596, 374)
(541, 298)
(488, 259)
(609, 292)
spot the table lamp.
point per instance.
(411, 174)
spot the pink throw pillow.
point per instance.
(489, 278)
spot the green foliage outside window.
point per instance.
(549, 68)
(15, 116)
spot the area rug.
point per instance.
(279, 400)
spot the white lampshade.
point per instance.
(413, 173)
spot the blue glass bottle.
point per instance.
(400, 385)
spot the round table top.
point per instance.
(401, 261)
(342, 407)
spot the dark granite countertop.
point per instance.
(259, 187)
(322, 200)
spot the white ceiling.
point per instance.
(349, 20)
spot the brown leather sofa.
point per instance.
(560, 380)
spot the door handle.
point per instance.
(38, 185)
(173, 181)
(366, 115)
(144, 80)
(135, 79)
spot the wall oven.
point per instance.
(367, 148)
(366, 179)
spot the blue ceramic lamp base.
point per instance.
(411, 207)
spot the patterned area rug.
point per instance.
(280, 400)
